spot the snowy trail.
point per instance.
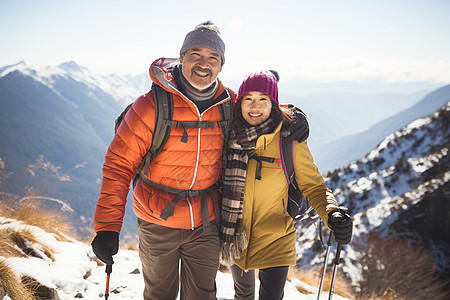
(130, 285)
(73, 272)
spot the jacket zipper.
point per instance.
(198, 137)
(198, 155)
(198, 148)
(195, 174)
(191, 213)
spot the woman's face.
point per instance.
(256, 108)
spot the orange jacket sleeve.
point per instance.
(123, 157)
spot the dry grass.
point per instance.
(312, 277)
(12, 285)
(388, 294)
(132, 246)
(19, 241)
(7, 246)
(23, 243)
(397, 269)
(33, 212)
(16, 244)
(130, 241)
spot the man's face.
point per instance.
(201, 66)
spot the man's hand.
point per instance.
(299, 130)
(105, 245)
(342, 225)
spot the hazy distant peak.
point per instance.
(71, 66)
(21, 65)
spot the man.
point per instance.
(191, 160)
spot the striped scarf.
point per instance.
(240, 148)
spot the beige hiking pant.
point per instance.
(161, 249)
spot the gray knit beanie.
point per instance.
(205, 35)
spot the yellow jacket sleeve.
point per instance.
(311, 182)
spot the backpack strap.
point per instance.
(191, 124)
(226, 113)
(183, 194)
(287, 157)
(120, 118)
(260, 159)
(296, 199)
(163, 123)
(164, 112)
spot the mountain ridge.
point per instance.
(349, 148)
(398, 189)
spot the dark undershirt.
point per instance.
(202, 105)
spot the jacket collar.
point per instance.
(161, 73)
(266, 139)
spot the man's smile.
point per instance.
(201, 72)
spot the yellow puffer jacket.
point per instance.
(269, 228)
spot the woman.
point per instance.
(256, 230)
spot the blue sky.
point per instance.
(358, 40)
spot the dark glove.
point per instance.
(105, 245)
(299, 130)
(342, 225)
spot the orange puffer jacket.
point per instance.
(194, 165)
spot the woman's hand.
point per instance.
(342, 225)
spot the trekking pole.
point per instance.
(108, 274)
(325, 262)
(336, 263)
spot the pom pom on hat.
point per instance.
(261, 81)
(275, 73)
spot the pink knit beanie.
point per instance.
(261, 81)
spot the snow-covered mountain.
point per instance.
(399, 189)
(61, 117)
(122, 88)
(341, 151)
